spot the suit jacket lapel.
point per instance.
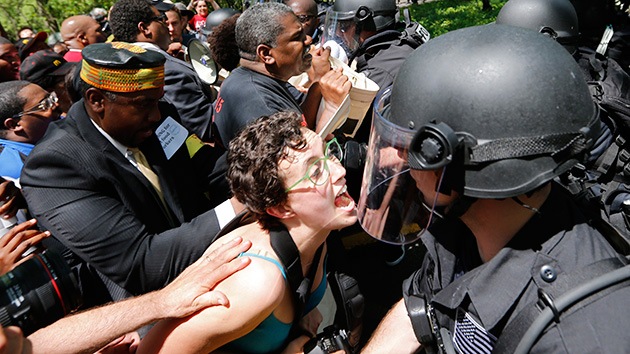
(152, 149)
(153, 152)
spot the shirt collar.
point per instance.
(24, 148)
(120, 147)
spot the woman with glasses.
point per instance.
(287, 177)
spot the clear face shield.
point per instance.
(391, 207)
(340, 33)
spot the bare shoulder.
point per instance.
(253, 294)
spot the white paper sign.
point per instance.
(172, 136)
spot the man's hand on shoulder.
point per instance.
(192, 290)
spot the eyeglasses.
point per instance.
(47, 103)
(318, 172)
(304, 18)
(161, 18)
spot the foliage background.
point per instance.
(438, 16)
(443, 16)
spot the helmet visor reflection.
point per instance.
(391, 207)
(340, 30)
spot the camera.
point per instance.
(330, 340)
(38, 292)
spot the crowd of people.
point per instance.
(196, 209)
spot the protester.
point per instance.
(144, 209)
(28, 46)
(273, 48)
(28, 109)
(25, 32)
(291, 180)
(201, 7)
(306, 11)
(223, 45)
(139, 22)
(48, 70)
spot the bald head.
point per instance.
(304, 6)
(80, 31)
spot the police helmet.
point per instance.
(556, 18)
(509, 106)
(372, 15)
(499, 110)
(216, 17)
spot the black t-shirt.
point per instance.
(246, 95)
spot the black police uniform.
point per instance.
(379, 58)
(475, 300)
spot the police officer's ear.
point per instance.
(263, 53)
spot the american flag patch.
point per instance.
(470, 336)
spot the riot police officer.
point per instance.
(610, 87)
(466, 145)
(370, 34)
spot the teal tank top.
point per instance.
(271, 333)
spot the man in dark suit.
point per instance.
(139, 22)
(118, 181)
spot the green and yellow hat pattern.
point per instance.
(122, 67)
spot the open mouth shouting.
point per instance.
(343, 200)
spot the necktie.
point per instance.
(152, 177)
(145, 169)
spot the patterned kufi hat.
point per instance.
(122, 67)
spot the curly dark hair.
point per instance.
(253, 159)
(125, 16)
(222, 40)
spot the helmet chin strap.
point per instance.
(461, 205)
(526, 206)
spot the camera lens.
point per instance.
(38, 292)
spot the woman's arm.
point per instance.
(254, 294)
(87, 331)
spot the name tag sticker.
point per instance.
(172, 136)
